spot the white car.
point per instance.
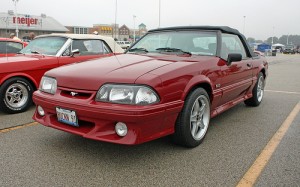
(124, 44)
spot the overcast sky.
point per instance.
(261, 15)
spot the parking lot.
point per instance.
(34, 155)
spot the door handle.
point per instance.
(249, 65)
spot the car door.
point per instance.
(237, 77)
(88, 49)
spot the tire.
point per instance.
(193, 121)
(15, 95)
(258, 92)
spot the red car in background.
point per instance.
(172, 81)
(20, 75)
(10, 47)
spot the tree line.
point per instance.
(284, 39)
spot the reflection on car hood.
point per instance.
(19, 58)
(19, 63)
(125, 68)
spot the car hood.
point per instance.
(90, 75)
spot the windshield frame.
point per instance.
(216, 33)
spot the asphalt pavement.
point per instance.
(40, 156)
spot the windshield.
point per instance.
(45, 46)
(190, 42)
(289, 47)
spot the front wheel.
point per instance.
(257, 92)
(193, 121)
(15, 95)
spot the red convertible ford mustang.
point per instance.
(20, 75)
(172, 81)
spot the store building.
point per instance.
(79, 30)
(141, 31)
(124, 33)
(28, 23)
(103, 29)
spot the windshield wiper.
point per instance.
(35, 52)
(169, 49)
(138, 50)
(19, 53)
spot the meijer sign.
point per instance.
(24, 20)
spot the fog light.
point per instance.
(121, 129)
(40, 111)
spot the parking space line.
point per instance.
(275, 91)
(18, 127)
(262, 160)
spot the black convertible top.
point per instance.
(224, 29)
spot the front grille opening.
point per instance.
(77, 95)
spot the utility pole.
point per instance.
(16, 15)
(273, 35)
(158, 13)
(244, 25)
(115, 29)
(134, 28)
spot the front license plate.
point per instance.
(67, 116)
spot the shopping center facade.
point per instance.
(44, 24)
(25, 23)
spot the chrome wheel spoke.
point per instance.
(11, 100)
(201, 124)
(194, 128)
(197, 106)
(194, 117)
(10, 94)
(202, 109)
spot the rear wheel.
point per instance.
(15, 95)
(258, 91)
(193, 121)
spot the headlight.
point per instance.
(48, 85)
(127, 94)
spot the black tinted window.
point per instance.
(10, 47)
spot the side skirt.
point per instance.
(229, 105)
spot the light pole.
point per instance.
(244, 25)
(134, 28)
(16, 15)
(158, 13)
(115, 29)
(273, 35)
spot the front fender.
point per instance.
(195, 82)
(11, 75)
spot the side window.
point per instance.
(232, 44)
(90, 47)
(67, 52)
(205, 44)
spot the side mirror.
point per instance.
(233, 57)
(74, 51)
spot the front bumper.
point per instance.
(97, 120)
